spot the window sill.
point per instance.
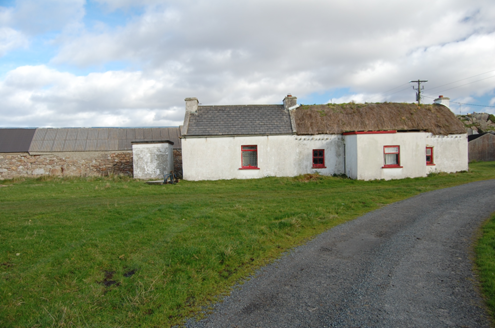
(249, 168)
(391, 167)
(430, 164)
(319, 167)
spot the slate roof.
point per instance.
(98, 139)
(239, 120)
(15, 140)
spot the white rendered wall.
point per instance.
(450, 153)
(217, 158)
(334, 154)
(370, 161)
(152, 160)
(351, 156)
(365, 158)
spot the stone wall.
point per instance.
(14, 165)
(65, 164)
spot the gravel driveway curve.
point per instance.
(408, 264)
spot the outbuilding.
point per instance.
(84, 151)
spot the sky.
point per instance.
(113, 63)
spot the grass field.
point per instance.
(114, 252)
(485, 262)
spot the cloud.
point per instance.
(359, 98)
(125, 4)
(331, 43)
(41, 96)
(255, 51)
(37, 17)
(11, 39)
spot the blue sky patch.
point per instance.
(324, 97)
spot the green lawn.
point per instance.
(114, 252)
(485, 262)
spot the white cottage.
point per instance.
(362, 141)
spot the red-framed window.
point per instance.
(391, 156)
(429, 156)
(249, 157)
(318, 158)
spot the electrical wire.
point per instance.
(491, 77)
(460, 80)
(456, 102)
(397, 87)
(400, 90)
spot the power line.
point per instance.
(461, 80)
(401, 89)
(396, 88)
(491, 77)
(456, 102)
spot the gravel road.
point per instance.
(408, 264)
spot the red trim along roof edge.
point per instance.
(369, 132)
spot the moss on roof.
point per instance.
(340, 118)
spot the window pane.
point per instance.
(249, 158)
(428, 151)
(248, 148)
(389, 150)
(391, 159)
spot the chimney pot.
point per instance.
(441, 100)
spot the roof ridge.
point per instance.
(241, 105)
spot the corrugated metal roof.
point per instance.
(80, 145)
(98, 139)
(61, 134)
(50, 134)
(15, 140)
(39, 134)
(82, 134)
(72, 134)
(58, 144)
(46, 146)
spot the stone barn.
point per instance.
(78, 151)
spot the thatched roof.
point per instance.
(340, 118)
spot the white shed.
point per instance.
(152, 159)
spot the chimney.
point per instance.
(290, 102)
(441, 100)
(191, 105)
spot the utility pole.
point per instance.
(418, 94)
